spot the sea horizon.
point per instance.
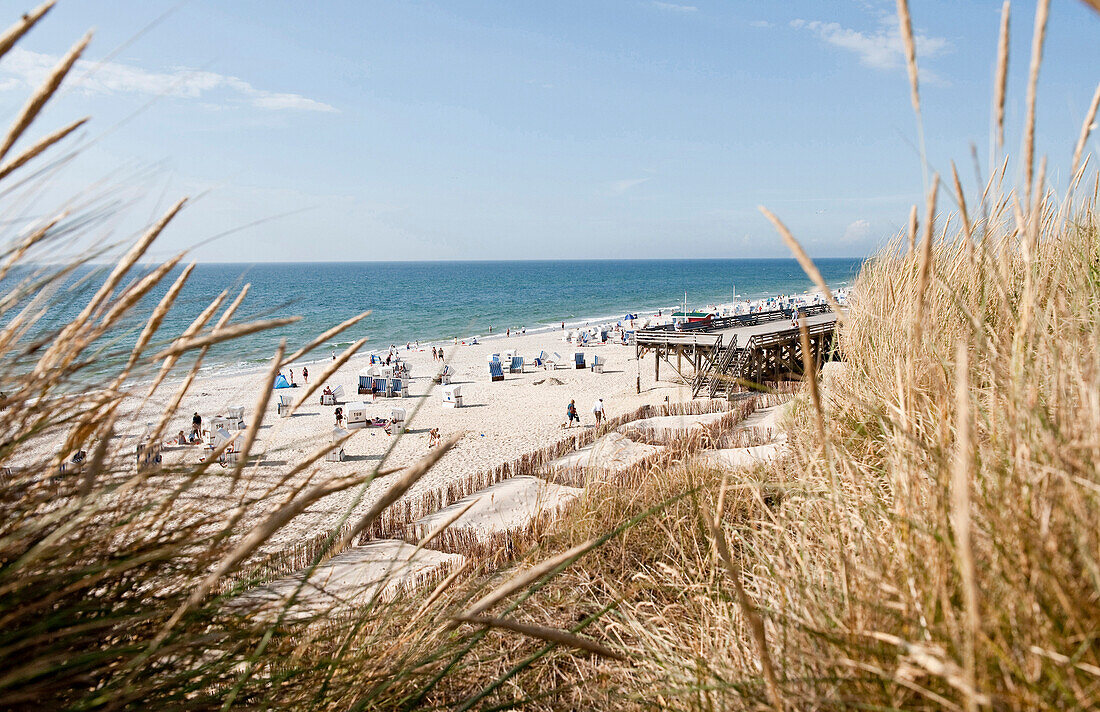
(437, 301)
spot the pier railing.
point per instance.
(728, 322)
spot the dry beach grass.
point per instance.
(928, 538)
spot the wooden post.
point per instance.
(657, 364)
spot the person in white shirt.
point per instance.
(597, 410)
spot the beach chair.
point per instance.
(452, 397)
(355, 415)
(148, 455)
(578, 358)
(493, 357)
(285, 402)
(397, 415)
(445, 375)
(517, 365)
(541, 359)
(336, 454)
(366, 383)
(398, 388)
(597, 364)
(335, 397)
(557, 360)
(496, 373)
(230, 456)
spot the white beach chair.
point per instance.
(452, 396)
(445, 375)
(336, 454)
(597, 364)
(285, 402)
(230, 456)
(397, 415)
(558, 361)
(355, 415)
(336, 396)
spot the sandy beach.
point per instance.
(498, 422)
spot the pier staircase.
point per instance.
(726, 362)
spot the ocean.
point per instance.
(438, 301)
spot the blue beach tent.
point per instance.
(281, 382)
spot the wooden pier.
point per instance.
(729, 353)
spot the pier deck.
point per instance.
(732, 352)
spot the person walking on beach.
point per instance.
(339, 417)
(433, 438)
(597, 410)
(571, 414)
(305, 375)
(196, 423)
(435, 355)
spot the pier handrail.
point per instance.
(647, 338)
(726, 322)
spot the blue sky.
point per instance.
(516, 130)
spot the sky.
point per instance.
(410, 130)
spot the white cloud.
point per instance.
(619, 187)
(672, 7)
(881, 48)
(21, 67)
(858, 231)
